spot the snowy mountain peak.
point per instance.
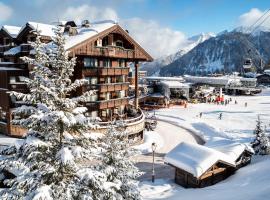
(153, 68)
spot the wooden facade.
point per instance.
(215, 174)
(102, 58)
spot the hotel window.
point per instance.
(90, 62)
(108, 96)
(119, 43)
(108, 80)
(12, 79)
(107, 63)
(121, 63)
(92, 80)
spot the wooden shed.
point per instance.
(199, 166)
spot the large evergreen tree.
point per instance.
(51, 162)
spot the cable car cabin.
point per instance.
(247, 63)
(199, 166)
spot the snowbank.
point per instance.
(149, 138)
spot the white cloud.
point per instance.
(89, 12)
(249, 18)
(5, 12)
(157, 40)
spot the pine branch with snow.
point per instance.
(50, 162)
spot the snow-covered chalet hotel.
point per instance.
(104, 53)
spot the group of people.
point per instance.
(220, 100)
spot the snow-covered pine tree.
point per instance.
(51, 162)
(261, 143)
(117, 163)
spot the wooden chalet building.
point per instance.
(198, 166)
(103, 51)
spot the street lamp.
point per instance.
(154, 147)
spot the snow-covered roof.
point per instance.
(12, 30)
(85, 33)
(230, 148)
(45, 29)
(221, 80)
(196, 159)
(158, 78)
(13, 51)
(174, 84)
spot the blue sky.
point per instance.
(149, 21)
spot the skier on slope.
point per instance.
(220, 116)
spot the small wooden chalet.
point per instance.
(199, 166)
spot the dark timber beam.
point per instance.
(136, 85)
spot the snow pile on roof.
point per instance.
(45, 29)
(85, 33)
(13, 51)
(196, 159)
(174, 84)
(231, 149)
(12, 30)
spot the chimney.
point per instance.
(86, 23)
(71, 30)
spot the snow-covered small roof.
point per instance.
(13, 51)
(174, 84)
(85, 33)
(12, 30)
(196, 159)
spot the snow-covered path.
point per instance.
(171, 136)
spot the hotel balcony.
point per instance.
(18, 87)
(108, 51)
(105, 71)
(108, 87)
(104, 104)
(4, 48)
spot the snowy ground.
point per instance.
(237, 124)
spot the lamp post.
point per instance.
(154, 146)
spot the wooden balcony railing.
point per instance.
(108, 51)
(108, 87)
(26, 48)
(4, 48)
(108, 103)
(114, 51)
(19, 87)
(106, 71)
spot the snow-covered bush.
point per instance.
(261, 143)
(57, 159)
(118, 165)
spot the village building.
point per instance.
(199, 166)
(264, 79)
(103, 50)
